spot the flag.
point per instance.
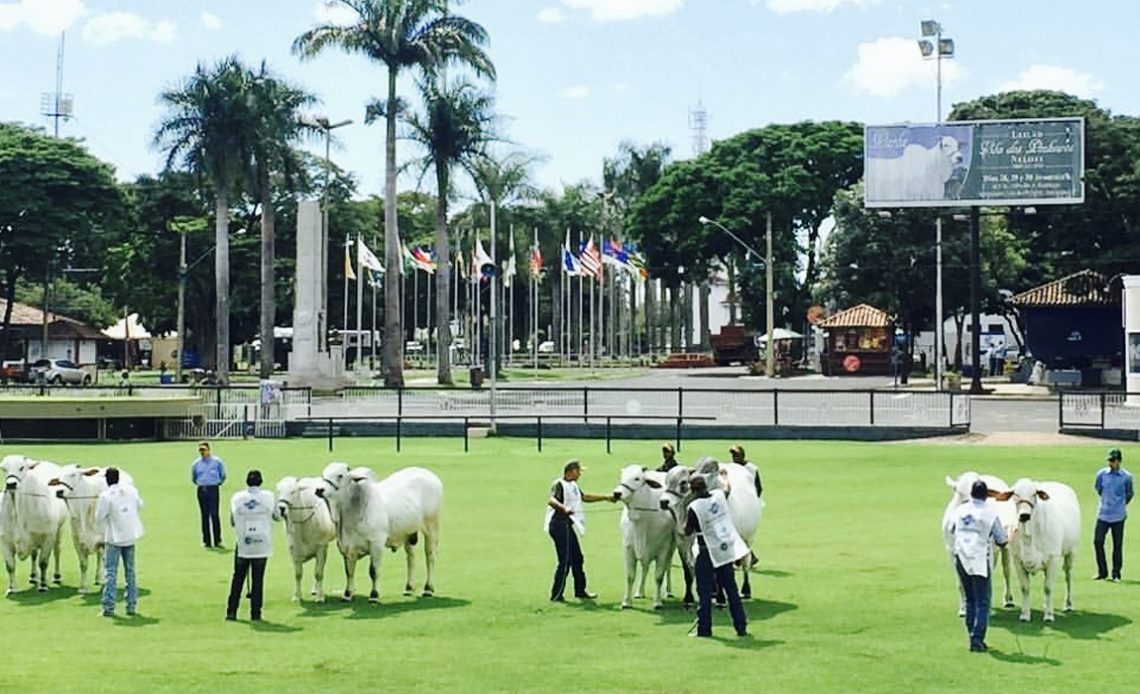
(535, 262)
(407, 260)
(348, 273)
(570, 264)
(591, 260)
(509, 271)
(614, 253)
(375, 279)
(482, 261)
(638, 267)
(424, 259)
(460, 268)
(366, 258)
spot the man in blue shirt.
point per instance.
(208, 473)
(1114, 485)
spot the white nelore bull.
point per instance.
(920, 173)
(31, 518)
(646, 530)
(675, 499)
(744, 506)
(308, 528)
(80, 487)
(393, 512)
(1048, 530)
(1007, 516)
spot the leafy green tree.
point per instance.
(58, 205)
(81, 301)
(208, 128)
(414, 35)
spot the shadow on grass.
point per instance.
(1077, 624)
(273, 628)
(747, 643)
(31, 597)
(773, 573)
(137, 620)
(360, 608)
(1022, 658)
(757, 611)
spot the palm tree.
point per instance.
(402, 34)
(457, 123)
(207, 130)
(276, 116)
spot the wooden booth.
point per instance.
(858, 342)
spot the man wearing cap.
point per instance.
(564, 523)
(668, 456)
(737, 453)
(252, 512)
(1114, 485)
(975, 524)
(716, 547)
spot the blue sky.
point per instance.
(576, 77)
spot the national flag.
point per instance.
(424, 259)
(375, 279)
(366, 258)
(536, 262)
(509, 271)
(591, 260)
(637, 264)
(348, 272)
(570, 264)
(483, 262)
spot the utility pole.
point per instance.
(770, 364)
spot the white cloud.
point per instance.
(618, 10)
(211, 20)
(827, 6)
(1054, 77)
(41, 16)
(890, 65)
(551, 15)
(113, 26)
(332, 12)
(575, 92)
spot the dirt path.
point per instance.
(1016, 438)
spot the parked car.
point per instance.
(58, 371)
(13, 372)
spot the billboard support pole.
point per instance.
(975, 301)
(939, 325)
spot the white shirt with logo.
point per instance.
(118, 511)
(571, 499)
(251, 511)
(724, 543)
(975, 524)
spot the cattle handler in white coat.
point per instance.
(118, 510)
(564, 523)
(716, 548)
(252, 515)
(975, 524)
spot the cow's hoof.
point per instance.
(429, 592)
(408, 592)
(347, 597)
(1068, 608)
(8, 592)
(1023, 618)
(626, 606)
(658, 606)
(374, 596)
(670, 596)
(42, 589)
(1048, 619)
(1007, 604)
(961, 611)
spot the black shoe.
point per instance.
(231, 617)
(585, 595)
(255, 619)
(1099, 577)
(558, 599)
(978, 648)
(218, 545)
(743, 634)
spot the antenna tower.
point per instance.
(58, 105)
(699, 124)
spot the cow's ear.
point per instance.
(91, 471)
(951, 482)
(999, 496)
(54, 482)
(644, 468)
(1042, 494)
(654, 484)
(33, 465)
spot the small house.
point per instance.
(858, 342)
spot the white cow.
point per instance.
(646, 530)
(1007, 516)
(31, 518)
(393, 512)
(920, 173)
(675, 499)
(308, 527)
(80, 487)
(1048, 530)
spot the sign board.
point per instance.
(974, 163)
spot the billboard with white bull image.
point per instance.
(968, 163)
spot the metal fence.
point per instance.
(875, 408)
(1099, 410)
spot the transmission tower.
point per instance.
(57, 105)
(699, 124)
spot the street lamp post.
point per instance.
(770, 352)
(322, 123)
(939, 49)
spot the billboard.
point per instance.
(968, 163)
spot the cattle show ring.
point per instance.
(852, 590)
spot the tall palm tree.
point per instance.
(403, 35)
(206, 129)
(276, 117)
(456, 124)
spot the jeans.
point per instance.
(208, 509)
(1102, 528)
(112, 567)
(708, 579)
(242, 566)
(570, 559)
(977, 589)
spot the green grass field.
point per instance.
(853, 593)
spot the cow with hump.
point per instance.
(960, 494)
(1046, 537)
(647, 530)
(31, 518)
(80, 487)
(370, 516)
(308, 527)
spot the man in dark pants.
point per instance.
(252, 513)
(208, 473)
(718, 547)
(976, 528)
(1114, 486)
(565, 522)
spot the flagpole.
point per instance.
(415, 304)
(372, 335)
(348, 266)
(427, 347)
(359, 305)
